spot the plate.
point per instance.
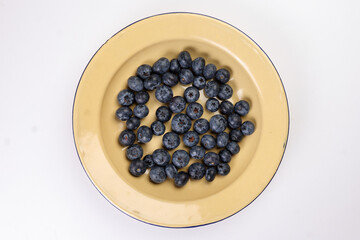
(253, 78)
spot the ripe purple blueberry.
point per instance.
(142, 97)
(161, 157)
(234, 121)
(144, 71)
(134, 152)
(177, 104)
(133, 123)
(171, 140)
(181, 178)
(226, 108)
(163, 94)
(184, 59)
(123, 113)
(209, 71)
(186, 76)
(135, 83)
(180, 123)
(212, 104)
(222, 75)
(126, 97)
(198, 66)
(211, 159)
(197, 171)
(161, 66)
(180, 158)
(127, 137)
(247, 128)
(137, 167)
(144, 134)
(194, 110)
(157, 174)
(191, 94)
(152, 82)
(212, 89)
(191, 138)
(242, 107)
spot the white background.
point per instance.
(44, 47)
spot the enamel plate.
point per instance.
(96, 130)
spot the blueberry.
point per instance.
(134, 152)
(181, 178)
(177, 104)
(170, 79)
(209, 71)
(157, 174)
(208, 142)
(233, 148)
(197, 170)
(152, 82)
(133, 123)
(222, 75)
(199, 82)
(142, 97)
(163, 114)
(223, 169)
(180, 158)
(218, 123)
(236, 135)
(123, 113)
(135, 84)
(201, 126)
(191, 138)
(163, 94)
(210, 174)
(127, 138)
(137, 167)
(197, 152)
(212, 104)
(161, 66)
(144, 71)
(171, 140)
(211, 159)
(191, 94)
(226, 107)
(174, 66)
(211, 89)
(225, 156)
(242, 107)
(126, 97)
(194, 110)
(184, 59)
(144, 134)
(161, 157)
(149, 161)
(186, 76)
(170, 170)
(225, 92)
(247, 128)
(234, 120)
(198, 66)
(222, 139)
(180, 123)
(141, 111)
(158, 128)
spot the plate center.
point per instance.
(244, 89)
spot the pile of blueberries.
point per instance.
(163, 75)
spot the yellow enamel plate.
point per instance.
(96, 130)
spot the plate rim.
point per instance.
(192, 13)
